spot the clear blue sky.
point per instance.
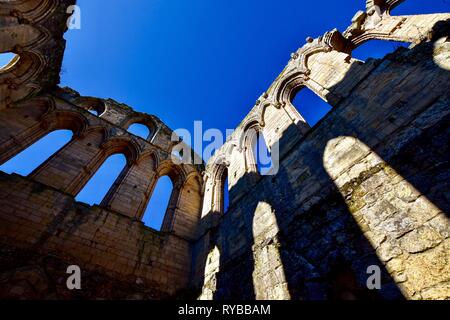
(186, 60)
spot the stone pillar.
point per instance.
(130, 194)
(20, 127)
(250, 156)
(169, 217)
(184, 210)
(73, 165)
(208, 197)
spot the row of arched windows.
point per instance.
(312, 108)
(97, 109)
(30, 159)
(262, 164)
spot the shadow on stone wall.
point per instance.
(324, 253)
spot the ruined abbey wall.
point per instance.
(40, 217)
(367, 186)
(43, 229)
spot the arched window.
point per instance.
(139, 130)
(94, 112)
(159, 202)
(93, 105)
(226, 198)
(310, 105)
(263, 158)
(31, 158)
(376, 49)
(221, 188)
(97, 187)
(7, 60)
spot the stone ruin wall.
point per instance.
(368, 185)
(43, 229)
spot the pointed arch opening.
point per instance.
(221, 198)
(312, 107)
(94, 112)
(142, 125)
(94, 106)
(258, 158)
(140, 130)
(8, 60)
(159, 202)
(377, 49)
(263, 156)
(31, 158)
(103, 179)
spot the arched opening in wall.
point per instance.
(310, 105)
(223, 187)
(140, 130)
(413, 7)
(8, 60)
(262, 154)
(98, 186)
(159, 202)
(177, 155)
(226, 195)
(31, 158)
(377, 49)
(94, 106)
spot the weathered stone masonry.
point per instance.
(43, 229)
(368, 185)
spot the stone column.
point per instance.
(131, 192)
(72, 166)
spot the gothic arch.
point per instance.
(185, 203)
(149, 154)
(218, 170)
(220, 175)
(140, 118)
(190, 205)
(251, 123)
(92, 128)
(16, 35)
(247, 141)
(287, 85)
(30, 9)
(174, 172)
(45, 103)
(32, 126)
(70, 120)
(10, 65)
(90, 103)
(359, 41)
(124, 145)
(40, 45)
(386, 6)
(20, 78)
